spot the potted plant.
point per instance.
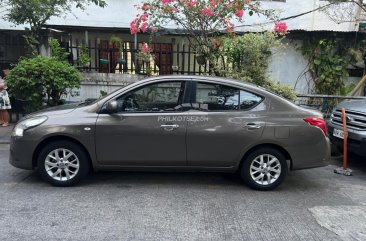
(103, 61)
(84, 58)
(201, 59)
(117, 42)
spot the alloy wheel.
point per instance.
(265, 169)
(62, 164)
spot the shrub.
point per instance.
(42, 78)
(247, 60)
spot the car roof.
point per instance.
(221, 80)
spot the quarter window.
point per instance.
(165, 96)
(248, 100)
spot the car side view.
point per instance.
(174, 123)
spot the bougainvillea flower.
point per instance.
(145, 48)
(280, 27)
(166, 1)
(144, 26)
(133, 26)
(208, 12)
(239, 13)
(191, 3)
(144, 17)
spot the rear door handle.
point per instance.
(169, 127)
(253, 126)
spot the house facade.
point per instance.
(95, 28)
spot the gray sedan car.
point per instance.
(174, 123)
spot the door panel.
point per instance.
(139, 139)
(148, 130)
(218, 138)
(220, 127)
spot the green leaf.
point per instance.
(317, 62)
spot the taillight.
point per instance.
(318, 122)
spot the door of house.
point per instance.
(163, 57)
(108, 57)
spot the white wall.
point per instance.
(288, 66)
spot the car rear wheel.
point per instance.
(63, 163)
(264, 169)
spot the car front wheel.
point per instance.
(264, 169)
(63, 163)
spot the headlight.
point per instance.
(28, 123)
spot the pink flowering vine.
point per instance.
(166, 1)
(191, 3)
(280, 27)
(133, 26)
(208, 12)
(145, 48)
(239, 13)
(144, 27)
(140, 23)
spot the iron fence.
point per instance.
(165, 59)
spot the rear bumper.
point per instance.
(356, 141)
(318, 156)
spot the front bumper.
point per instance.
(21, 153)
(356, 141)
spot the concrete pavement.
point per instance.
(5, 133)
(313, 204)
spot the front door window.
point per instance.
(159, 97)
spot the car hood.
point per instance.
(56, 110)
(355, 105)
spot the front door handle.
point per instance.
(169, 127)
(253, 126)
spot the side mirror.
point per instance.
(112, 107)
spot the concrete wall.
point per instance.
(94, 83)
(287, 65)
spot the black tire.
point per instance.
(78, 159)
(266, 184)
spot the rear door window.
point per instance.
(217, 97)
